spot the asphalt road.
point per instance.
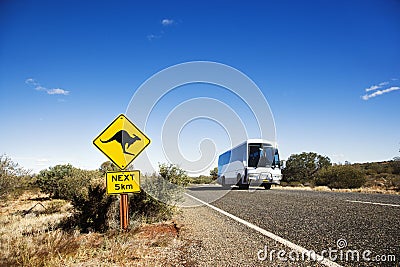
(364, 223)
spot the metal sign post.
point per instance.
(123, 211)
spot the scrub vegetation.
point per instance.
(204, 179)
(63, 217)
(35, 238)
(311, 169)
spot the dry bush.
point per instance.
(30, 233)
(12, 177)
(90, 210)
(34, 239)
(341, 176)
(202, 179)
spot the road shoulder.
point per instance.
(215, 240)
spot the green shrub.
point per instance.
(94, 210)
(159, 195)
(12, 177)
(90, 210)
(50, 181)
(173, 174)
(162, 189)
(202, 179)
(214, 173)
(341, 176)
(76, 183)
(86, 191)
(144, 207)
(66, 181)
(395, 167)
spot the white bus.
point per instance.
(255, 161)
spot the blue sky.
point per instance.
(329, 70)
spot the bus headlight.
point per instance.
(254, 176)
(266, 176)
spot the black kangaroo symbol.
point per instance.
(123, 138)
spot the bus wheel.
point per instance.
(240, 182)
(224, 185)
(244, 186)
(267, 186)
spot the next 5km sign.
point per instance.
(123, 182)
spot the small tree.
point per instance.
(174, 174)
(304, 167)
(11, 175)
(49, 181)
(78, 182)
(214, 173)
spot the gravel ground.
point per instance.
(215, 240)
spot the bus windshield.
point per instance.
(277, 162)
(261, 155)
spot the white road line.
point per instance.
(374, 203)
(279, 239)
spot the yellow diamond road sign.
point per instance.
(121, 141)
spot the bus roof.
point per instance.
(250, 141)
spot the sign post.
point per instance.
(122, 142)
(123, 211)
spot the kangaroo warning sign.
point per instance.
(123, 182)
(121, 141)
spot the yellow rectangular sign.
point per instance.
(123, 182)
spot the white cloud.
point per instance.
(166, 22)
(379, 89)
(151, 37)
(383, 83)
(376, 87)
(53, 91)
(30, 81)
(57, 91)
(380, 92)
(372, 88)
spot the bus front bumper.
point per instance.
(265, 178)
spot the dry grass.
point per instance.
(33, 239)
(368, 190)
(279, 187)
